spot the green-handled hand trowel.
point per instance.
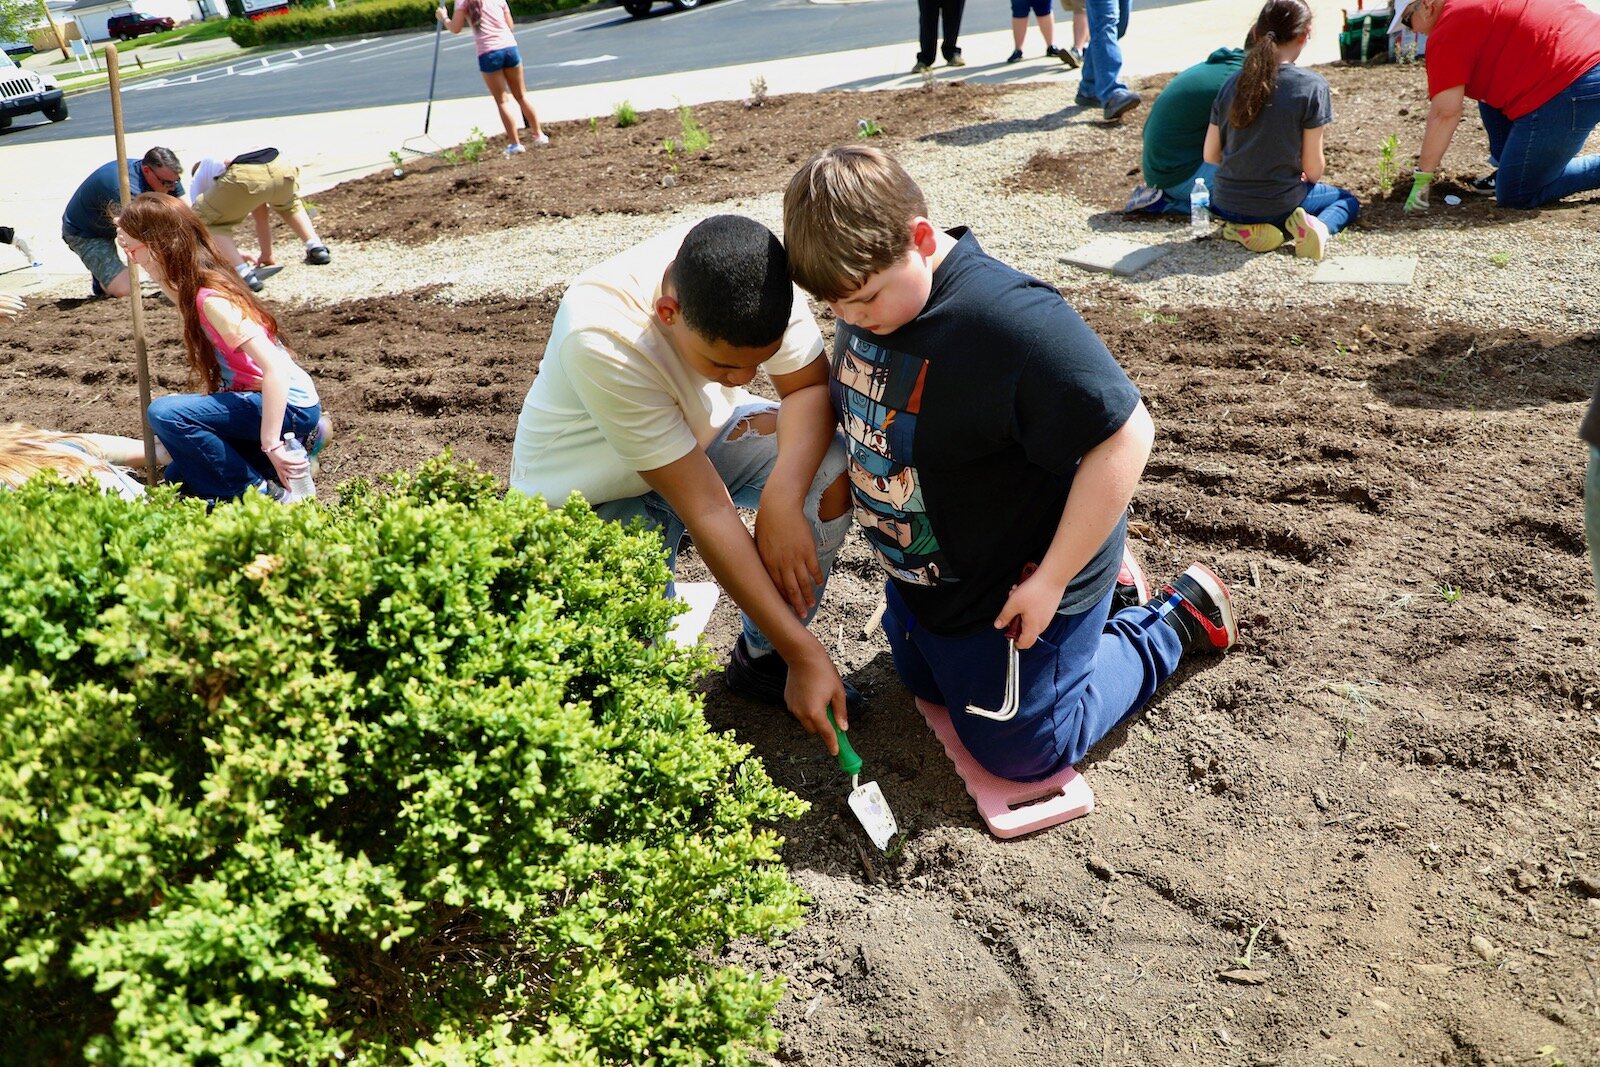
(865, 800)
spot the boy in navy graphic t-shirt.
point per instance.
(988, 428)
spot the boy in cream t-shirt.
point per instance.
(640, 406)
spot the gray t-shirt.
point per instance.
(1259, 179)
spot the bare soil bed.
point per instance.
(1381, 808)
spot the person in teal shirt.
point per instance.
(1175, 135)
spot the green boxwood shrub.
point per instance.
(366, 16)
(412, 778)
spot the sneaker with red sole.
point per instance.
(1199, 607)
(1133, 588)
(319, 440)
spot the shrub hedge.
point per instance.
(366, 16)
(412, 778)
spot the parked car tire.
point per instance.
(5, 122)
(57, 113)
(685, 5)
(637, 8)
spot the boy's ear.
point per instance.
(667, 309)
(924, 237)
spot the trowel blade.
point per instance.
(866, 800)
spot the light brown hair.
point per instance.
(27, 450)
(189, 261)
(847, 215)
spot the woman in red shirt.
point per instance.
(1534, 68)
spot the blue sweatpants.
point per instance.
(1084, 675)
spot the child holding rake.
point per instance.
(227, 440)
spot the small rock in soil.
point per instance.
(1245, 976)
(1101, 869)
(1586, 884)
(1527, 881)
(1483, 947)
(1429, 756)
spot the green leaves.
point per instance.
(415, 776)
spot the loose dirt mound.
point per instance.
(1381, 808)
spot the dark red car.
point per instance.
(127, 27)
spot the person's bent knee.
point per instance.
(118, 286)
(1519, 199)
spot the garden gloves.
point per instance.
(1420, 181)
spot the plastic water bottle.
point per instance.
(301, 487)
(1200, 211)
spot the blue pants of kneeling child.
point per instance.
(1084, 675)
(215, 440)
(1336, 207)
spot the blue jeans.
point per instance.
(215, 440)
(1591, 514)
(1102, 55)
(744, 464)
(1178, 195)
(1084, 675)
(1538, 153)
(1336, 207)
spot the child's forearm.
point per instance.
(1101, 489)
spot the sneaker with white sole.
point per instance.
(514, 150)
(1483, 186)
(1256, 236)
(319, 440)
(1199, 607)
(541, 140)
(1309, 233)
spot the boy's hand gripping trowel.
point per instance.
(865, 800)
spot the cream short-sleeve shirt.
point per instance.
(612, 397)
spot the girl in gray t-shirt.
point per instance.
(1265, 138)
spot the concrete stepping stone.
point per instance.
(1366, 270)
(1116, 255)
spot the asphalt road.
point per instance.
(594, 46)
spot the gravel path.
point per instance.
(1541, 284)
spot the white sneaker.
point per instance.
(541, 140)
(1310, 234)
(514, 150)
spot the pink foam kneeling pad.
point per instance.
(1011, 809)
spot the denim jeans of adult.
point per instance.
(929, 12)
(215, 440)
(1102, 55)
(1591, 514)
(1538, 153)
(1177, 202)
(1083, 676)
(1336, 207)
(744, 463)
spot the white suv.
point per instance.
(23, 92)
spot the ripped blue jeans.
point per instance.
(744, 464)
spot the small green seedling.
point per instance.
(594, 125)
(1500, 259)
(758, 92)
(625, 115)
(1249, 957)
(399, 164)
(1450, 594)
(1156, 318)
(692, 137)
(670, 147)
(1386, 164)
(474, 146)
(868, 128)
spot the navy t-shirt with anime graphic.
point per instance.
(965, 428)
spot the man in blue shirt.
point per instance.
(87, 227)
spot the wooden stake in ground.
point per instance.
(141, 356)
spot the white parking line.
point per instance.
(579, 62)
(574, 25)
(722, 5)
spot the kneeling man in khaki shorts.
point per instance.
(248, 184)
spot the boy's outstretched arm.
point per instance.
(699, 498)
(783, 533)
(1101, 490)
